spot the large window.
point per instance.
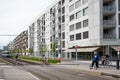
(72, 27)
(85, 23)
(71, 37)
(71, 8)
(78, 36)
(78, 25)
(85, 11)
(85, 35)
(78, 4)
(72, 17)
(78, 15)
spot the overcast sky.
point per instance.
(17, 15)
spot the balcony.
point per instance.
(53, 10)
(59, 15)
(59, 23)
(109, 24)
(109, 36)
(59, 6)
(109, 10)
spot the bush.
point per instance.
(53, 61)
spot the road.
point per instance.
(59, 73)
(50, 72)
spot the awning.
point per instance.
(115, 47)
(90, 49)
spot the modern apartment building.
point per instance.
(94, 25)
(20, 43)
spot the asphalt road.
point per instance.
(58, 72)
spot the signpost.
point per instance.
(76, 52)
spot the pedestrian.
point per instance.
(16, 58)
(95, 60)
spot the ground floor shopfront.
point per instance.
(87, 53)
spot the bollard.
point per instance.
(117, 64)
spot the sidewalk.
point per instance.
(12, 73)
(84, 65)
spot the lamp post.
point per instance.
(117, 63)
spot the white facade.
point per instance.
(85, 23)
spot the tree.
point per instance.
(43, 48)
(54, 48)
(31, 50)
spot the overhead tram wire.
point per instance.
(7, 35)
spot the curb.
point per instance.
(108, 74)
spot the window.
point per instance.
(78, 4)
(78, 25)
(78, 36)
(72, 27)
(119, 5)
(71, 8)
(50, 39)
(63, 27)
(85, 35)
(119, 33)
(63, 10)
(85, 23)
(63, 44)
(63, 1)
(63, 35)
(119, 18)
(85, 11)
(70, 0)
(63, 18)
(72, 17)
(78, 15)
(84, 1)
(71, 37)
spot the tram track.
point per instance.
(11, 61)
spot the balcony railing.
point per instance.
(109, 36)
(59, 6)
(59, 15)
(109, 9)
(109, 23)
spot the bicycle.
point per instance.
(108, 62)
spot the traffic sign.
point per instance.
(118, 48)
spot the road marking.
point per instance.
(33, 76)
(2, 79)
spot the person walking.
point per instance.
(16, 58)
(95, 60)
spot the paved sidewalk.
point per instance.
(84, 65)
(11, 73)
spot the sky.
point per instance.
(17, 15)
